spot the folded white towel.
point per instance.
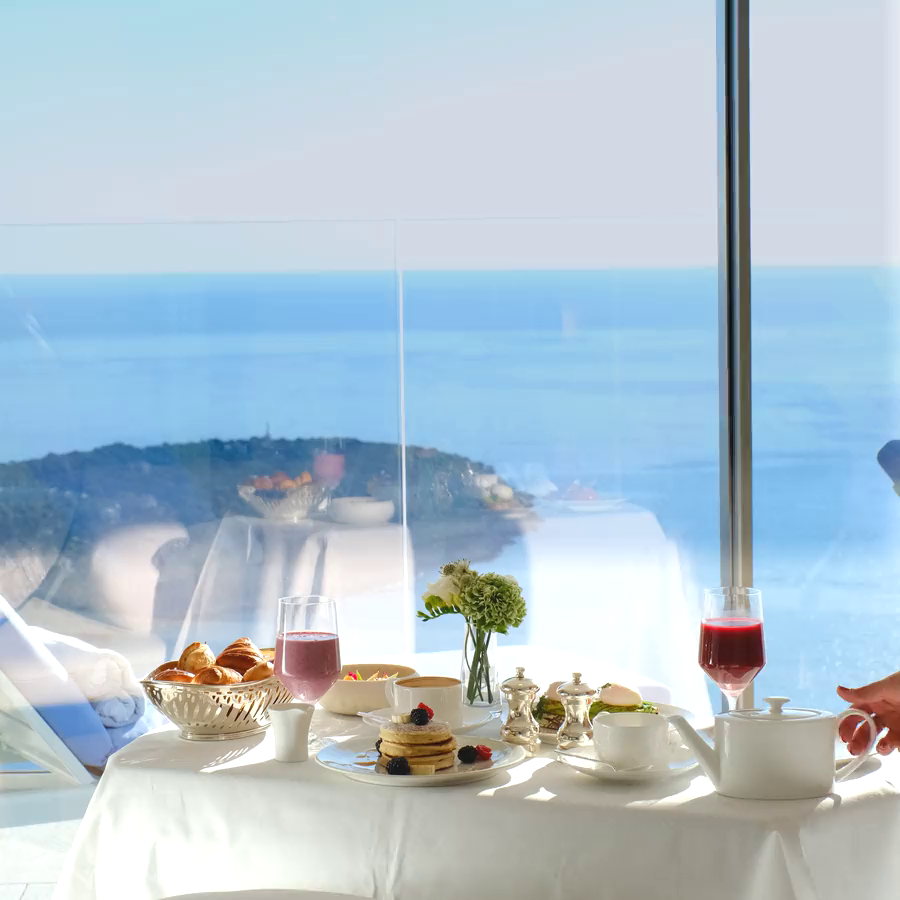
(104, 677)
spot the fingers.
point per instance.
(890, 742)
(886, 689)
(849, 727)
(859, 741)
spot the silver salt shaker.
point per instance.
(575, 730)
(521, 727)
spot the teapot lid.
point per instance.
(575, 688)
(518, 682)
(777, 713)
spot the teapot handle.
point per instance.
(854, 764)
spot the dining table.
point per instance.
(172, 818)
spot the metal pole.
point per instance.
(735, 444)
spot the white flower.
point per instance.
(445, 588)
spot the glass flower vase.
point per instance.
(479, 675)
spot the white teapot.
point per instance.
(774, 753)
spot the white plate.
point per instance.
(348, 758)
(665, 710)
(584, 760)
(473, 719)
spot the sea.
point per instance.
(604, 379)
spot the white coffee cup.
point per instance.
(290, 728)
(443, 695)
(631, 740)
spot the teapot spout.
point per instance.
(706, 756)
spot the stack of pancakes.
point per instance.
(426, 748)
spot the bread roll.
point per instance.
(196, 656)
(240, 659)
(174, 675)
(217, 675)
(262, 670)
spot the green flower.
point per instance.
(492, 602)
(457, 569)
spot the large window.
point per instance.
(304, 239)
(484, 294)
(825, 302)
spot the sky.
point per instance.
(471, 134)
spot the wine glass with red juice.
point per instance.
(732, 649)
(307, 649)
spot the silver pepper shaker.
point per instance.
(575, 730)
(521, 727)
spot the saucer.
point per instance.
(548, 736)
(473, 719)
(584, 759)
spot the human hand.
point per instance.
(881, 700)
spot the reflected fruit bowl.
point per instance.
(285, 506)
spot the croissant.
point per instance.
(243, 643)
(240, 659)
(196, 656)
(217, 675)
(174, 675)
(262, 670)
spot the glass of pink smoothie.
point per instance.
(307, 650)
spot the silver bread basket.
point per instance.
(208, 712)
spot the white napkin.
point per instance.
(104, 677)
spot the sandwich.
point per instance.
(550, 712)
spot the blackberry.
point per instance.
(419, 717)
(398, 766)
(378, 744)
(467, 754)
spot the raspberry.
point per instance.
(418, 717)
(483, 752)
(467, 754)
(398, 766)
(427, 709)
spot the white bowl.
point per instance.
(347, 698)
(361, 510)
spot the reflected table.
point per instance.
(252, 562)
(171, 817)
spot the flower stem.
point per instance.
(487, 666)
(472, 663)
(479, 664)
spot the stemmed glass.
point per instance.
(307, 649)
(732, 649)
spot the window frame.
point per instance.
(735, 397)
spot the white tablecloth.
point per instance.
(172, 817)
